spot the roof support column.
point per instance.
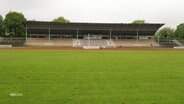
(137, 36)
(26, 34)
(110, 34)
(88, 39)
(77, 34)
(49, 34)
(158, 39)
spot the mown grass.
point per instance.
(92, 77)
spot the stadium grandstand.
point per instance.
(101, 35)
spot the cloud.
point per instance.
(161, 11)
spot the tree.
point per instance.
(179, 33)
(15, 24)
(61, 20)
(165, 33)
(1, 26)
(33, 20)
(138, 22)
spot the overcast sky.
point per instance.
(170, 12)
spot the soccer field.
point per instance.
(91, 77)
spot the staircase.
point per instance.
(93, 42)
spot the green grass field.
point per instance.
(92, 77)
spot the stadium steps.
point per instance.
(93, 42)
(178, 43)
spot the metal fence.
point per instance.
(168, 42)
(12, 40)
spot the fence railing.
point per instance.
(12, 40)
(169, 42)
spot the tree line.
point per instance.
(13, 25)
(169, 33)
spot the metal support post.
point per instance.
(137, 36)
(26, 34)
(49, 34)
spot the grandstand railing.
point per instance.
(169, 42)
(12, 40)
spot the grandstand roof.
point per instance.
(42, 27)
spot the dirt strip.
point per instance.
(71, 48)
